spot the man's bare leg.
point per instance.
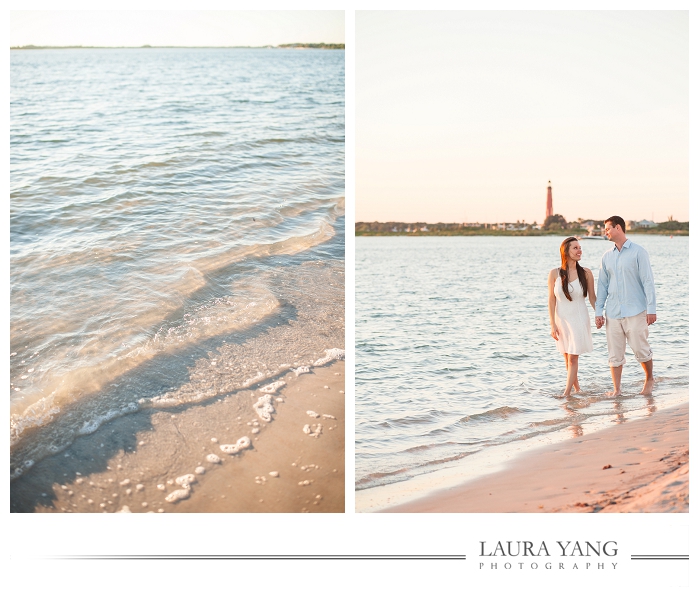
(616, 380)
(648, 369)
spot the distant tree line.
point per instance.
(558, 222)
(554, 224)
(674, 225)
(320, 46)
(402, 227)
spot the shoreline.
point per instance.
(649, 472)
(131, 464)
(507, 233)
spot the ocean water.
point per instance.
(176, 229)
(454, 356)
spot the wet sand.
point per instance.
(635, 467)
(131, 464)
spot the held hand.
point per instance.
(554, 332)
(650, 319)
(599, 321)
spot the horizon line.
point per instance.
(497, 221)
(295, 45)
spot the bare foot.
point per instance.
(613, 393)
(648, 387)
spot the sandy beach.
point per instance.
(636, 467)
(133, 463)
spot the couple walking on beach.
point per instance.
(625, 288)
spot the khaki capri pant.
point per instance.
(635, 331)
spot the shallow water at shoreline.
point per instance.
(137, 462)
(454, 356)
(309, 322)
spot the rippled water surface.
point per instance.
(453, 353)
(166, 203)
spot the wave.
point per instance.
(418, 418)
(494, 414)
(102, 348)
(288, 246)
(426, 447)
(137, 365)
(403, 473)
(218, 316)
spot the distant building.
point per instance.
(508, 226)
(645, 224)
(549, 202)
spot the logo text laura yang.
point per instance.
(585, 555)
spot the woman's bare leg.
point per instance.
(572, 380)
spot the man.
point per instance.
(626, 286)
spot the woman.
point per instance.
(570, 321)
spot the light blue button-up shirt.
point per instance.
(625, 282)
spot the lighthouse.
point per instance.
(549, 202)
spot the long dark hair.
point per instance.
(564, 269)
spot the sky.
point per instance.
(174, 28)
(466, 116)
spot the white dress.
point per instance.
(572, 320)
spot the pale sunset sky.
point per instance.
(175, 27)
(466, 116)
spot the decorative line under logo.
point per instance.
(290, 557)
(659, 557)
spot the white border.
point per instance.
(31, 536)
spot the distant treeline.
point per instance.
(433, 229)
(31, 47)
(671, 227)
(320, 46)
